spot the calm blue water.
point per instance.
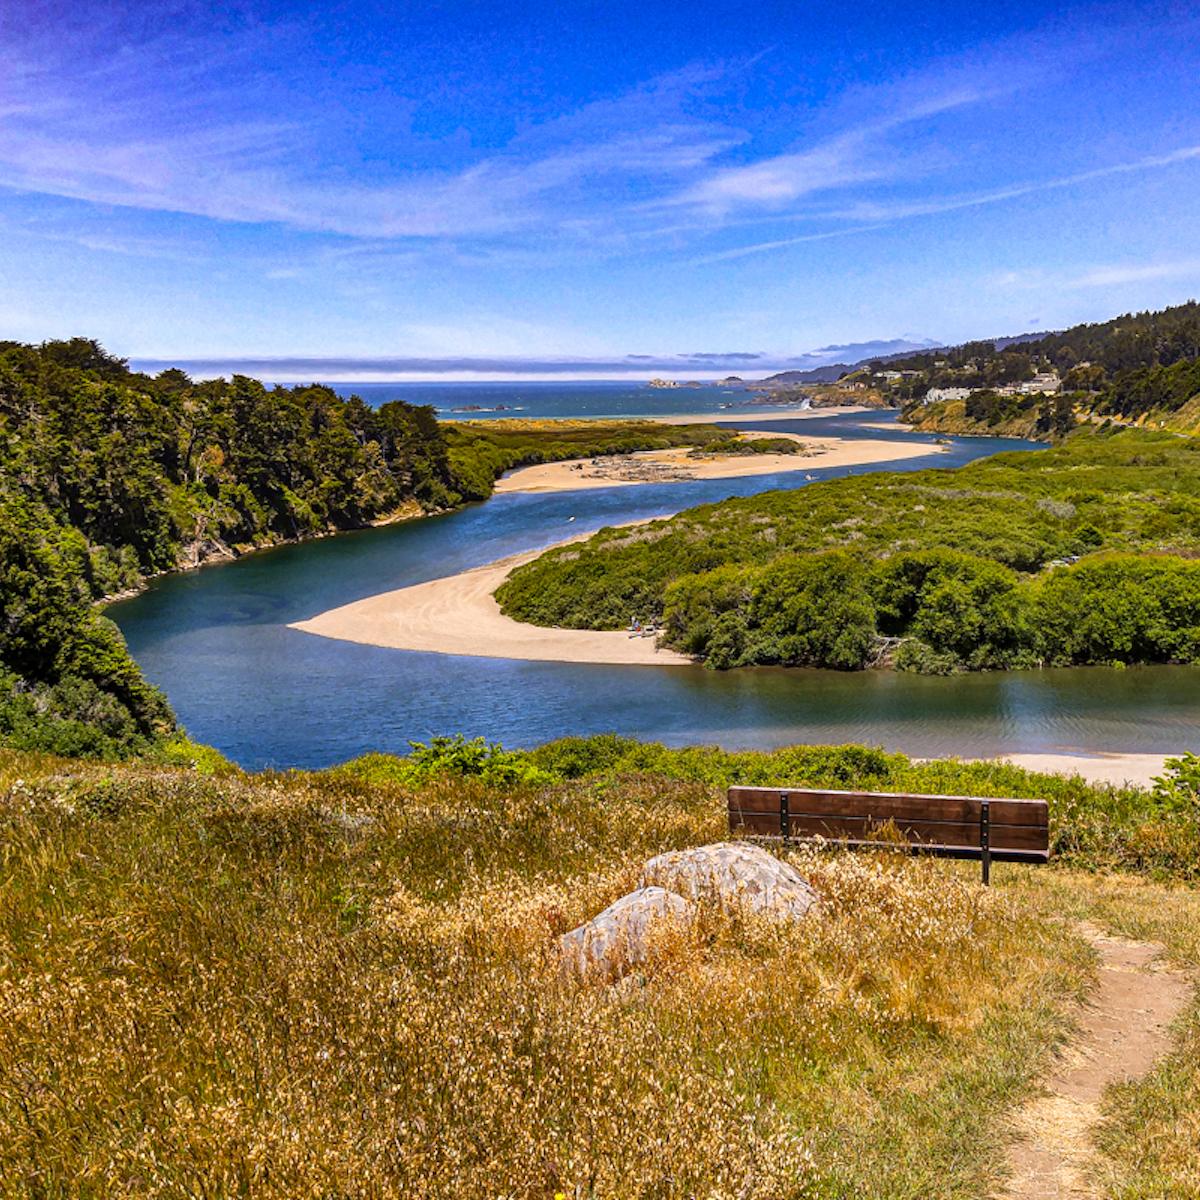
(547, 400)
(216, 641)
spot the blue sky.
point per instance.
(535, 184)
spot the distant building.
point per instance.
(934, 395)
(892, 376)
(1045, 384)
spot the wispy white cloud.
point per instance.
(871, 211)
(851, 156)
(1109, 276)
(870, 216)
(255, 171)
(1101, 275)
(780, 181)
(782, 243)
(81, 125)
(652, 163)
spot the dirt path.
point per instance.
(1123, 1029)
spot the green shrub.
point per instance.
(453, 757)
(953, 561)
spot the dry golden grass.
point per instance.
(304, 985)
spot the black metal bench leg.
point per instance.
(985, 843)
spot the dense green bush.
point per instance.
(67, 683)
(936, 570)
(1121, 609)
(456, 757)
(797, 610)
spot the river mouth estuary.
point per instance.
(217, 641)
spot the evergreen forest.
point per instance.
(1140, 368)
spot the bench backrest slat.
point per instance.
(934, 821)
(932, 833)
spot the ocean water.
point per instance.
(217, 641)
(557, 400)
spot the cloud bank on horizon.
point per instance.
(457, 184)
(699, 365)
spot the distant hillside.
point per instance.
(830, 374)
(1141, 368)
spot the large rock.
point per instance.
(609, 945)
(730, 873)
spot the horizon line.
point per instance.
(702, 367)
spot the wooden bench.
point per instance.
(950, 826)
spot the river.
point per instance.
(216, 640)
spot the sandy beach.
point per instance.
(673, 466)
(1100, 767)
(459, 615)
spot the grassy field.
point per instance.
(344, 983)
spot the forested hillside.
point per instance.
(1137, 368)
(107, 476)
(1080, 554)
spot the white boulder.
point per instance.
(729, 873)
(619, 938)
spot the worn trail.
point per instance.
(1123, 1030)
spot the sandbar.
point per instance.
(460, 615)
(1100, 767)
(674, 466)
